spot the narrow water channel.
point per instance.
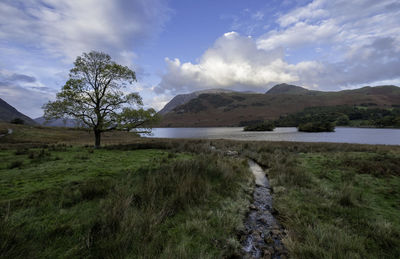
(263, 234)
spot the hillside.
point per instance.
(8, 113)
(234, 108)
(184, 98)
(57, 122)
(289, 89)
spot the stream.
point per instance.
(263, 234)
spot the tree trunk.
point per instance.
(97, 136)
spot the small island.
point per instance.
(316, 127)
(264, 126)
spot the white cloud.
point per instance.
(299, 35)
(310, 11)
(257, 16)
(336, 44)
(350, 23)
(68, 28)
(159, 101)
(45, 36)
(234, 61)
(26, 100)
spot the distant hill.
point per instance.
(57, 123)
(184, 98)
(8, 113)
(288, 89)
(235, 108)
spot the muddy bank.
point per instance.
(263, 234)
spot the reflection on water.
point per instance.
(341, 135)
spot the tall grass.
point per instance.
(178, 206)
(335, 200)
(155, 210)
(336, 203)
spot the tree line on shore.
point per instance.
(318, 119)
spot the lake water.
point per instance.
(341, 135)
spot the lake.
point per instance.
(341, 135)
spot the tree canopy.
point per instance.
(96, 95)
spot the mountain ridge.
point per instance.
(288, 89)
(235, 108)
(181, 99)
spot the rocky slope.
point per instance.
(184, 98)
(8, 113)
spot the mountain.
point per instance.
(8, 113)
(184, 98)
(57, 123)
(235, 108)
(289, 89)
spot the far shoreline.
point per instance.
(195, 127)
(350, 135)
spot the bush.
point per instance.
(387, 121)
(343, 120)
(316, 127)
(265, 126)
(17, 121)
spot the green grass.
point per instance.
(24, 135)
(171, 198)
(56, 168)
(74, 202)
(337, 203)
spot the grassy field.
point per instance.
(336, 200)
(23, 135)
(172, 198)
(74, 201)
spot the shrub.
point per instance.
(317, 127)
(265, 126)
(17, 121)
(147, 203)
(343, 120)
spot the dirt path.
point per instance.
(263, 235)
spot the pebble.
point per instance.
(267, 254)
(231, 153)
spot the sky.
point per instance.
(181, 46)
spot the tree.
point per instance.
(343, 120)
(93, 95)
(143, 119)
(323, 126)
(264, 126)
